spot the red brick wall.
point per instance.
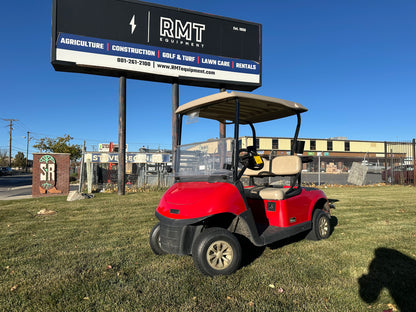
(61, 183)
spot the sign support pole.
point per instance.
(175, 105)
(414, 161)
(222, 125)
(81, 173)
(223, 145)
(121, 173)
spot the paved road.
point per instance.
(16, 187)
(327, 178)
(340, 179)
(19, 187)
(16, 180)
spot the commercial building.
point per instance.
(336, 155)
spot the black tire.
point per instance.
(216, 251)
(321, 226)
(154, 241)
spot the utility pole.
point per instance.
(10, 139)
(27, 150)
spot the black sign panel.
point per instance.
(145, 41)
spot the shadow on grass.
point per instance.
(301, 236)
(288, 241)
(392, 270)
(333, 222)
(251, 252)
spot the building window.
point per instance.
(313, 145)
(329, 145)
(275, 144)
(257, 143)
(347, 146)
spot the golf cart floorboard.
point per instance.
(270, 234)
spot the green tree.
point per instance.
(20, 160)
(3, 158)
(59, 145)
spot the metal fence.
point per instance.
(137, 175)
(396, 167)
(400, 163)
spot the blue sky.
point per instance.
(352, 63)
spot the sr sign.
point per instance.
(152, 42)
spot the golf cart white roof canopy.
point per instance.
(253, 108)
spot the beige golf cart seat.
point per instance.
(279, 166)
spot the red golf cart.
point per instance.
(207, 209)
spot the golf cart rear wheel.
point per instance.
(154, 240)
(216, 251)
(321, 226)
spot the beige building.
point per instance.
(338, 152)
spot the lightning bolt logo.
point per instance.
(133, 24)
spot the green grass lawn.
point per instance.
(93, 255)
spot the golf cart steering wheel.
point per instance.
(250, 159)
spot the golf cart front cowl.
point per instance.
(195, 200)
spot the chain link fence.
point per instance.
(396, 167)
(137, 175)
(400, 163)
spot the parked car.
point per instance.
(401, 174)
(372, 167)
(5, 170)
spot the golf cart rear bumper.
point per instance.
(177, 236)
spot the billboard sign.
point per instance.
(105, 147)
(141, 40)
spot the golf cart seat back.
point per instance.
(286, 165)
(280, 166)
(264, 172)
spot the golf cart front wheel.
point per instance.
(154, 240)
(321, 226)
(216, 251)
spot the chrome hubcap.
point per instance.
(323, 226)
(220, 255)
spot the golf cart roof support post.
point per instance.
(236, 135)
(175, 117)
(254, 136)
(175, 154)
(179, 130)
(295, 138)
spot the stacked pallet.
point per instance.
(332, 168)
